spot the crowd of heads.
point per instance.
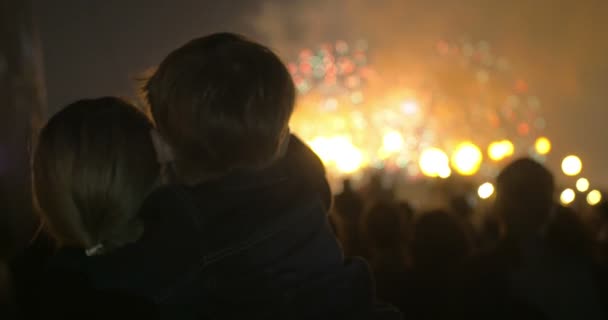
(419, 257)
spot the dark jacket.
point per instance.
(248, 245)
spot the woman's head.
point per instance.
(92, 168)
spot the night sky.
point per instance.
(94, 48)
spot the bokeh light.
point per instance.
(444, 172)
(486, 190)
(594, 197)
(467, 159)
(434, 163)
(499, 150)
(567, 196)
(409, 107)
(572, 165)
(582, 185)
(542, 146)
(338, 152)
(392, 141)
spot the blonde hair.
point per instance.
(92, 168)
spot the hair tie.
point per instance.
(94, 250)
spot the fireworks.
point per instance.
(332, 70)
(355, 116)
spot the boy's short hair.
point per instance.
(222, 102)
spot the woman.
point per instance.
(94, 165)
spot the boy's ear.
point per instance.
(164, 152)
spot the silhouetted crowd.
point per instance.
(206, 206)
(528, 258)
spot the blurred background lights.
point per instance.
(582, 185)
(444, 172)
(392, 141)
(567, 196)
(542, 146)
(433, 162)
(572, 165)
(409, 107)
(594, 197)
(467, 158)
(390, 116)
(499, 150)
(338, 152)
(486, 190)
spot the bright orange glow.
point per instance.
(392, 141)
(500, 150)
(486, 190)
(594, 198)
(467, 159)
(338, 152)
(434, 163)
(567, 196)
(582, 185)
(542, 146)
(572, 165)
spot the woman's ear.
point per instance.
(164, 152)
(284, 143)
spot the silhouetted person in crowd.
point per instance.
(567, 235)
(92, 169)
(522, 277)
(439, 245)
(348, 209)
(7, 303)
(439, 242)
(245, 222)
(600, 232)
(376, 191)
(407, 212)
(386, 248)
(462, 208)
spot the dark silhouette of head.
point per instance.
(566, 232)
(347, 186)
(407, 211)
(222, 102)
(524, 197)
(461, 206)
(382, 226)
(439, 240)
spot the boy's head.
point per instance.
(221, 102)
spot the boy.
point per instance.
(246, 219)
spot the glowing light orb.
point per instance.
(567, 196)
(392, 141)
(433, 162)
(594, 197)
(542, 146)
(500, 150)
(444, 172)
(582, 185)
(338, 152)
(572, 165)
(409, 107)
(467, 159)
(486, 190)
